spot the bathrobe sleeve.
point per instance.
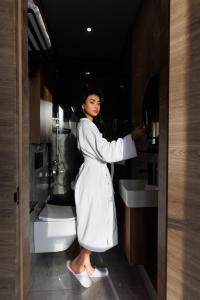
(93, 144)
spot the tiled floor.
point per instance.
(52, 281)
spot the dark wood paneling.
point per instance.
(127, 234)
(163, 148)
(40, 109)
(183, 255)
(8, 153)
(145, 53)
(24, 131)
(130, 234)
(14, 278)
(145, 64)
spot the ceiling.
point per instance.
(111, 22)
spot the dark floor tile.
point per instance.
(52, 280)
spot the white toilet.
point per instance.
(54, 229)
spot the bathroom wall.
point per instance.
(40, 133)
(145, 64)
(39, 174)
(183, 255)
(40, 105)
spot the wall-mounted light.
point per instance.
(89, 29)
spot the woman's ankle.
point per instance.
(77, 268)
(89, 268)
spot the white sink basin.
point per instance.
(137, 193)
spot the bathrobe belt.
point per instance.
(88, 159)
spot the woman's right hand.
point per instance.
(138, 133)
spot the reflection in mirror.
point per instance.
(150, 109)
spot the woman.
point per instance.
(94, 195)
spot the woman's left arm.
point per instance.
(93, 143)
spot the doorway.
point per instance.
(123, 90)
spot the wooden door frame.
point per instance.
(24, 150)
(163, 149)
(163, 153)
(23, 146)
(14, 233)
(23, 111)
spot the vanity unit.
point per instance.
(136, 195)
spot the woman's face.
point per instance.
(91, 106)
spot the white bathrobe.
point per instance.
(94, 194)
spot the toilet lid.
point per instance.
(57, 213)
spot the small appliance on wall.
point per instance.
(38, 38)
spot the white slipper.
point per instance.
(82, 277)
(101, 272)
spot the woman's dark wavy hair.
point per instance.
(98, 119)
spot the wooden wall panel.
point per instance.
(13, 151)
(163, 147)
(183, 255)
(8, 153)
(40, 109)
(145, 64)
(145, 53)
(24, 132)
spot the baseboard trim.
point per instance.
(147, 282)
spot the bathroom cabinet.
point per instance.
(40, 110)
(133, 236)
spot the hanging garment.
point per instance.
(94, 194)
